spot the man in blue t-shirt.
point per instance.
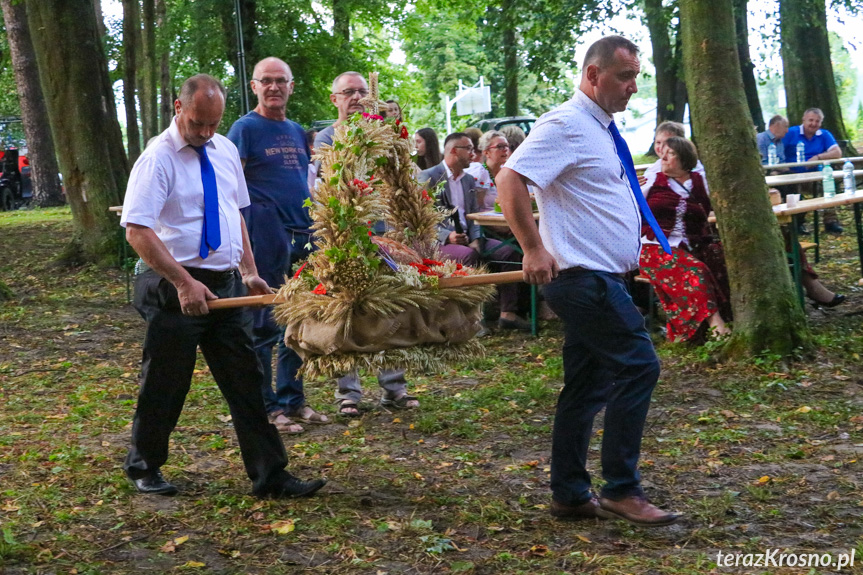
(819, 144)
(275, 158)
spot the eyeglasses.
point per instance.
(468, 148)
(499, 147)
(349, 93)
(280, 82)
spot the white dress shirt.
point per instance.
(166, 194)
(588, 216)
(456, 194)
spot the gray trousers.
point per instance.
(392, 381)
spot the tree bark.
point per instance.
(670, 88)
(166, 108)
(40, 144)
(80, 103)
(131, 35)
(767, 315)
(750, 86)
(342, 21)
(100, 19)
(806, 64)
(510, 57)
(149, 96)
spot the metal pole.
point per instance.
(241, 60)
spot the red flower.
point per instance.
(423, 269)
(426, 196)
(299, 271)
(404, 133)
(693, 281)
(458, 266)
(459, 273)
(372, 117)
(320, 290)
(429, 262)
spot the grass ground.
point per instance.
(761, 455)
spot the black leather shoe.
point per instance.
(837, 299)
(294, 487)
(154, 484)
(833, 228)
(517, 323)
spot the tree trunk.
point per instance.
(342, 21)
(750, 86)
(131, 34)
(100, 19)
(40, 144)
(248, 14)
(80, 103)
(670, 89)
(149, 96)
(166, 108)
(767, 315)
(510, 58)
(806, 65)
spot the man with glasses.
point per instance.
(275, 158)
(460, 237)
(348, 89)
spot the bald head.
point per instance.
(273, 83)
(208, 86)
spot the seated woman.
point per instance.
(691, 283)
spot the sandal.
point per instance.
(348, 408)
(285, 424)
(401, 402)
(308, 415)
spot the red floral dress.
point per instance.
(689, 288)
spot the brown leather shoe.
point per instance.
(587, 510)
(637, 510)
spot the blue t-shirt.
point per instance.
(763, 139)
(277, 166)
(820, 142)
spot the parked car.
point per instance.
(319, 125)
(16, 185)
(523, 122)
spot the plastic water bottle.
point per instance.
(848, 178)
(827, 181)
(801, 152)
(772, 158)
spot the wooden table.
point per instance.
(811, 163)
(805, 177)
(491, 219)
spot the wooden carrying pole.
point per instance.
(453, 282)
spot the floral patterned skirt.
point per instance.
(686, 288)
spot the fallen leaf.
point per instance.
(539, 550)
(283, 527)
(194, 564)
(583, 538)
(804, 409)
(418, 476)
(833, 495)
(171, 546)
(224, 418)
(764, 479)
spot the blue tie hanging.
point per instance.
(211, 237)
(629, 168)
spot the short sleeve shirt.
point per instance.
(822, 141)
(277, 165)
(165, 193)
(588, 216)
(763, 140)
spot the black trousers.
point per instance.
(170, 350)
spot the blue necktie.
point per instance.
(210, 235)
(629, 167)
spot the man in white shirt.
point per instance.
(182, 216)
(589, 236)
